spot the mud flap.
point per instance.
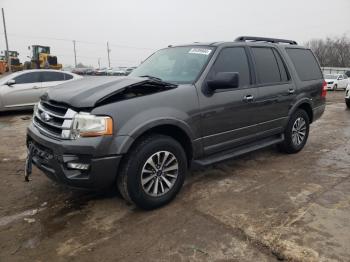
(28, 164)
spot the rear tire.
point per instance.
(347, 102)
(296, 132)
(153, 172)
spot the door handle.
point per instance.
(248, 98)
(36, 87)
(291, 91)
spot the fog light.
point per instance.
(79, 166)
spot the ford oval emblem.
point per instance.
(45, 116)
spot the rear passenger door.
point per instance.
(276, 91)
(228, 119)
(50, 79)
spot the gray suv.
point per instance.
(191, 104)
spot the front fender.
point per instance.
(123, 142)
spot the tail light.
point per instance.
(324, 89)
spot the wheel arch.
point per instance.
(304, 104)
(175, 129)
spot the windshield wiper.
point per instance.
(159, 80)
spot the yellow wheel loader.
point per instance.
(41, 58)
(16, 65)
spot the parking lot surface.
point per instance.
(264, 206)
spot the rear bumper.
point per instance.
(52, 156)
(318, 112)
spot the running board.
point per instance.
(228, 154)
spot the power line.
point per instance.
(79, 41)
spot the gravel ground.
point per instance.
(264, 206)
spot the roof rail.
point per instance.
(264, 39)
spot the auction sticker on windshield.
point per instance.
(200, 51)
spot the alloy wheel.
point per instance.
(299, 131)
(159, 173)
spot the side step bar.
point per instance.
(219, 157)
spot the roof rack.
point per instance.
(264, 39)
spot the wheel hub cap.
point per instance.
(159, 173)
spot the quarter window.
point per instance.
(67, 77)
(266, 65)
(233, 60)
(305, 64)
(52, 76)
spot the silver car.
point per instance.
(21, 90)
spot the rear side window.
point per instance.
(233, 59)
(27, 78)
(67, 77)
(52, 76)
(283, 70)
(266, 65)
(305, 64)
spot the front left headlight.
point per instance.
(87, 125)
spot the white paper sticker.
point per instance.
(200, 51)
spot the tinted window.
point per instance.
(52, 76)
(305, 64)
(233, 60)
(266, 65)
(283, 70)
(67, 77)
(27, 78)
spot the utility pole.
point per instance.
(75, 54)
(99, 63)
(108, 51)
(7, 44)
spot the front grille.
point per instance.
(54, 119)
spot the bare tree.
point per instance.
(333, 52)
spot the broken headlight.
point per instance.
(87, 125)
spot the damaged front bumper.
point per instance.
(56, 158)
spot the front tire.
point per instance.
(296, 132)
(153, 172)
(347, 102)
(335, 87)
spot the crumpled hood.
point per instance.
(88, 91)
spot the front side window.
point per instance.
(233, 59)
(266, 65)
(180, 65)
(27, 78)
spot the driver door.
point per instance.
(228, 116)
(25, 92)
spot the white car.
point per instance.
(347, 96)
(336, 81)
(21, 90)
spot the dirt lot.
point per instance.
(265, 206)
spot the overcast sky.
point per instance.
(135, 29)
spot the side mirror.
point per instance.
(11, 82)
(224, 80)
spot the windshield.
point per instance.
(175, 64)
(330, 76)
